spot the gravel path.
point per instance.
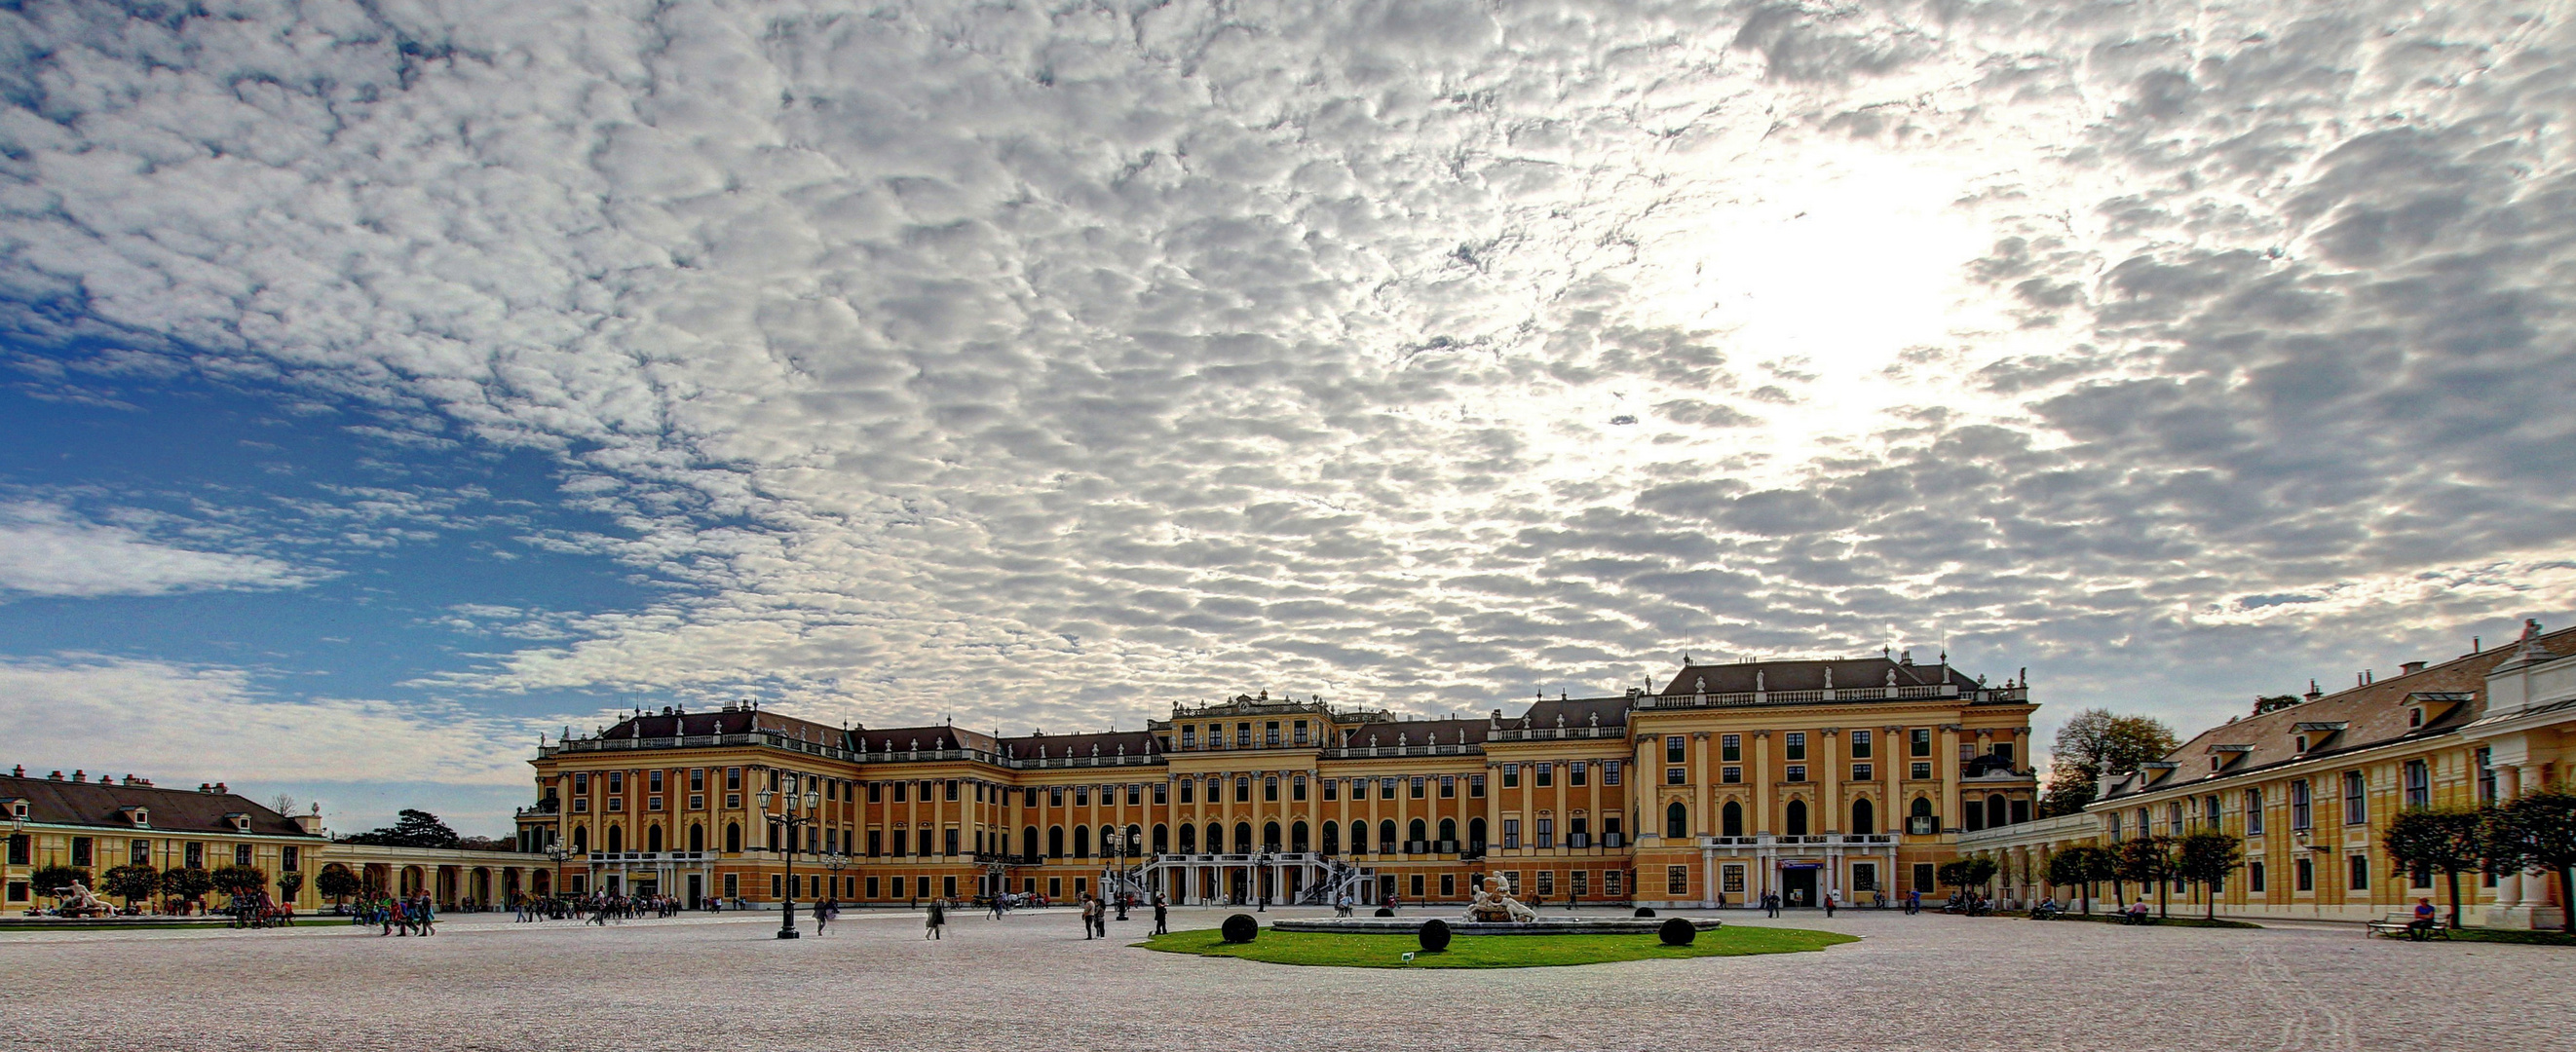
(1032, 982)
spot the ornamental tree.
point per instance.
(188, 883)
(2205, 859)
(288, 883)
(2149, 859)
(54, 880)
(2093, 743)
(337, 882)
(239, 881)
(131, 882)
(2450, 839)
(2079, 866)
(2536, 834)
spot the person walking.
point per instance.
(1832, 899)
(1100, 917)
(1088, 907)
(824, 911)
(938, 921)
(1162, 915)
(1771, 903)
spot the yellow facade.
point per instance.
(1256, 798)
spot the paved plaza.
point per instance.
(1032, 982)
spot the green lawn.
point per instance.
(1488, 951)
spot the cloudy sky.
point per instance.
(389, 383)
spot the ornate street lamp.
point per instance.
(799, 811)
(836, 862)
(558, 854)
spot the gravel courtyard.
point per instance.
(1031, 982)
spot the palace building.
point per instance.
(99, 824)
(2311, 788)
(1801, 777)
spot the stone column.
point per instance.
(2535, 889)
(1953, 802)
(1759, 774)
(1829, 759)
(2508, 892)
(1703, 780)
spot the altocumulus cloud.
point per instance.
(1049, 364)
(46, 549)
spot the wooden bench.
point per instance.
(2397, 925)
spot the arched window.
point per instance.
(653, 838)
(1216, 839)
(1299, 839)
(1082, 841)
(1270, 836)
(733, 838)
(1996, 817)
(1135, 839)
(581, 840)
(1449, 830)
(1386, 837)
(1413, 832)
(616, 839)
(697, 838)
(1797, 818)
(1731, 819)
(1359, 838)
(1163, 839)
(1332, 839)
(1189, 840)
(1476, 835)
(1029, 841)
(1055, 841)
(1676, 820)
(1922, 820)
(1864, 818)
(1243, 836)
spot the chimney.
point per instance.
(54, 777)
(2410, 668)
(19, 771)
(311, 824)
(79, 775)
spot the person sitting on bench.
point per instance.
(2425, 918)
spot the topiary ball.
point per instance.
(1240, 928)
(1678, 932)
(1383, 912)
(1645, 911)
(1435, 935)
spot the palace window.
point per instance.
(1920, 771)
(1797, 772)
(2002, 751)
(1864, 876)
(1677, 880)
(656, 778)
(1332, 788)
(1860, 747)
(1794, 747)
(1730, 747)
(1610, 883)
(1511, 834)
(1862, 772)
(1675, 749)
(1731, 880)
(1189, 790)
(616, 781)
(1296, 788)
(1676, 776)
(2356, 806)
(1448, 787)
(2254, 877)
(1270, 788)
(1511, 776)
(1386, 788)
(2254, 812)
(733, 777)
(949, 791)
(1609, 772)
(195, 853)
(2419, 784)
(1578, 773)
(580, 804)
(2306, 870)
(1270, 734)
(241, 854)
(2209, 813)
(697, 779)
(1416, 787)
(1162, 792)
(733, 800)
(1301, 732)
(1055, 795)
(1081, 796)
(1546, 774)
(876, 792)
(652, 803)
(581, 782)
(1730, 775)
(903, 792)
(1582, 882)
(2486, 776)
(1242, 789)
(1918, 742)
(1476, 786)
(1546, 877)
(1546, 833)
(2360, 876)
(1243, 735)
(1190, 736)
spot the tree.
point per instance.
(2096, 743)
(188, 884)
(1975, 872)
(411, 828)
(52, 880)
(288, 883)
(2274, 703)
(131, 882)
(2450, 839)
(2078, 866)
(2149, 859)
(238, 881)
(336, 882)
(2536, 834)
(2205, 859)
(282, 803)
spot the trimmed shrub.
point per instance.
(1678, 932)
(1645, 911)
(1435, 935)
(1240, 928)
(1383, 912)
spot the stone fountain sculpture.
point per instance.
(1493, 904)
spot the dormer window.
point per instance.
(2415, 717)
(138, 816)
(2303, 743)
(18, 810)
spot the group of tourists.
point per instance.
(397, 914)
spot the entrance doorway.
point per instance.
(697, 891)
(1385, 887)
(1238, 886)
(1798, 886)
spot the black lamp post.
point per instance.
(558, 854)
(836, 862)
(798, 811)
